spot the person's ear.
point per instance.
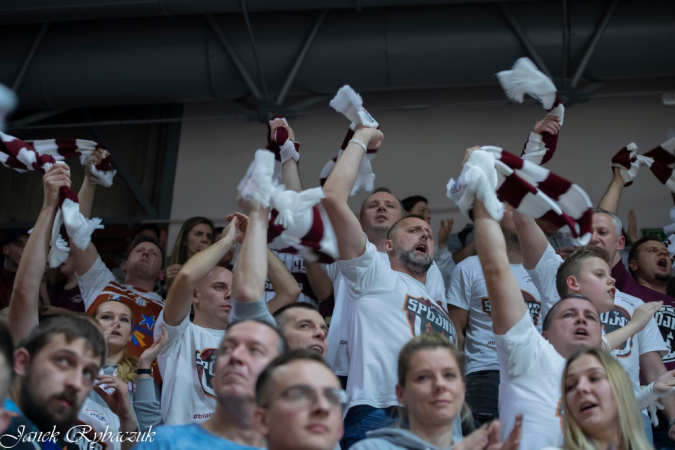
(123, 267)
(388, 245)
(195, 297)
(260, 422)
(632, 264)
(162, 275)
(622, 242)
(573, 284)
(400, 390)
(21, 362)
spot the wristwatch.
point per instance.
(143, 371)
(671, 423)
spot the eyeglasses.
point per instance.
(305, 396)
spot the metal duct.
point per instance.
(179, 60)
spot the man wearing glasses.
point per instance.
(300, 403)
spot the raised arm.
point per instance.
(248, 284)
(319, 281)
(179, 298)
(290, 177)
(25, 301)
(285, 287)
(506, 300)
(610, 201)
(84, 259)
(351, 240)
(533, 242)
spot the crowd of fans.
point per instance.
(500, 336)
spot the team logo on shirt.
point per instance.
(613, 320)
(206, 366)
(424, 316)
(533, 306)
(665, 319)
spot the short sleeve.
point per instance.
(363, 270)
(93, 281)
(175, 333)
(520, 348)
(461, 286)
(651, 340)
(544, 276)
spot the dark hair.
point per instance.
(549, 315)
(261, 386)
(283, 343)
(410, 202)
(6, 359)
(179, 253)
(573, 264)
(72, 327)
(635, 249)
(141, 239)
(380, 189)
(279, 312)
(10, 235)
(393, 227)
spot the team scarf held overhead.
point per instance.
(349, 103)
(491, 174)
(525, 78)
(298, 223)
(281, 146)
(40, 156)
(657, 159)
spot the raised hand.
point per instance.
(55, 178)
(115, 393)
(239, 222)
(643, 314)
(372, 137)
(549, 124)
(444, 232)
(278, 123)
(150, 354)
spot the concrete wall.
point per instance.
(424, 147)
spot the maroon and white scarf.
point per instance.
(492, 173)
(657, 159)
(525, 78)
(349, 103)
(298, 223)
(283, 148)
(40, 156)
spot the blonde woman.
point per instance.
(431, 391)
(601, 412)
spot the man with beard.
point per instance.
(469, 307)
(55, 370)
(389, 301)
(650, 267)
(641, 353)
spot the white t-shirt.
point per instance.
(628, 354)
(187, 364)
(530, 370)
(337, 356)
(296, 266)
(469, 292)
(387, 309)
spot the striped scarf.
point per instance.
(298, 223)
(283, 148)
(525, 78)
(40, 156)
(657, 159)
(492, 173)
(349, 103)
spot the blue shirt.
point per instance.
(19, 427)
(188, 437)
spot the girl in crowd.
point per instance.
(120, 369)
(600, 408)
(431, 389)
(195, 235)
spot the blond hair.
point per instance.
(631, 428)
(126, 367)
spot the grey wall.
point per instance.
(423, 148)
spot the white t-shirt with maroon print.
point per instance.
(530, 370)
(387, 309)
(187, 364)
(469, 292)
(337, 356)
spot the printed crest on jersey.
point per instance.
(665, 319)
(533, 306)
(612, 320)
(205, 362)
(424, 316)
